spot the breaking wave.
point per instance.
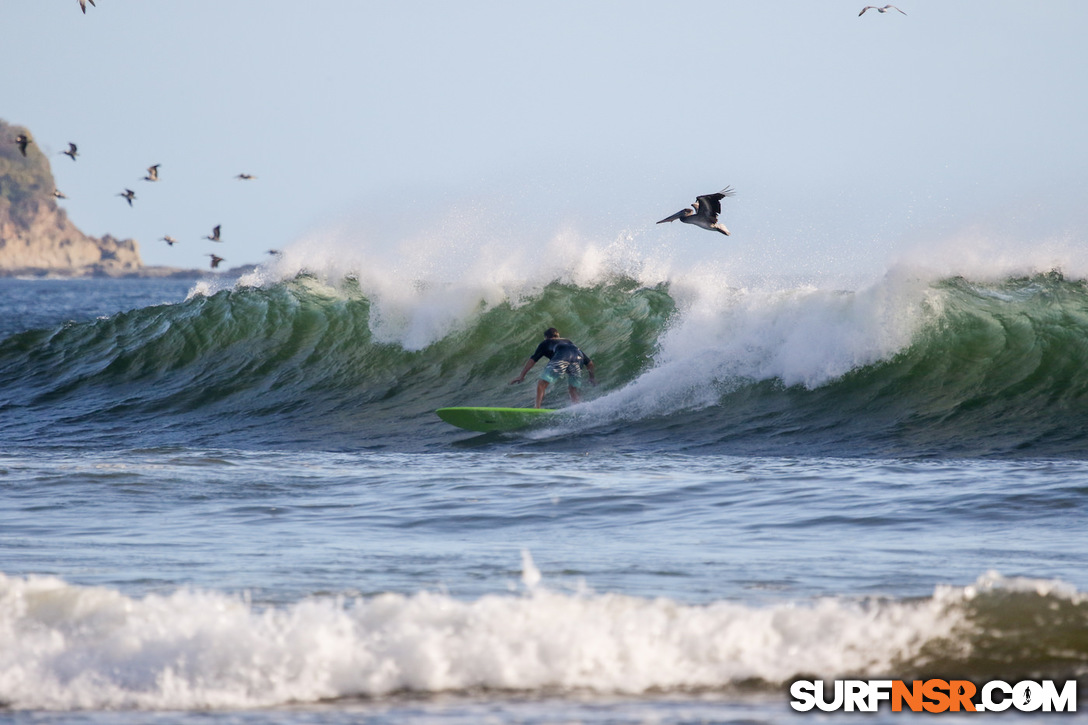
(73, 647)
(298, 357)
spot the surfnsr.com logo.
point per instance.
(934, 696)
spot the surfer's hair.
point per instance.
(550, 333)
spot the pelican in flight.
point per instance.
(704, 212)
(245, 177)
(72, 151)
(215, 261)
(169, 240)
(152, 173)
(22, 139)
(884, 9)
(214, 236)
(83, 5)
(57, 193)
(129, 195)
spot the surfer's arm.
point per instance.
(524, 371)
(592, 372)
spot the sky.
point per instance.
(849, 139)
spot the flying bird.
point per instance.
(214, 236)
(169, 240)
(884, 9)
(152, 173)
(215, 261)
(129, 195)
(83, 5)
(72, 151)
(22, 139)
(704, 212)
(245, 177)
(58, 194)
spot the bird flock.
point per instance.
(704, 213)
(23, 141)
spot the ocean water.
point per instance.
(231, 501)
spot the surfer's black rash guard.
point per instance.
(560, 349)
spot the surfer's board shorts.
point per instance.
(558, 369)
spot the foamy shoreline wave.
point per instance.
(65, 646)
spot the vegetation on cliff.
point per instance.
(22, 179)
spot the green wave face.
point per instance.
(298, 363)
(953, 368)
(1001, 369)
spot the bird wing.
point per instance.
(893, 8)
(710, 205)
(678, 215)
(867, 7)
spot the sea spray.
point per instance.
(423, 288)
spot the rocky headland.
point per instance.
(36, 236)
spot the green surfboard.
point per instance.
(488, 420)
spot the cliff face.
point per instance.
(36, 236)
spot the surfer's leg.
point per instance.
(574, 382)
(555, 370)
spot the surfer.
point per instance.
(565, 360)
